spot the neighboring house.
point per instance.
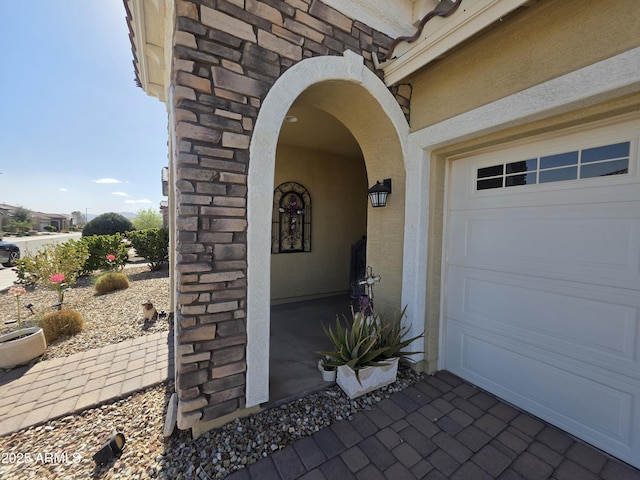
(4, 214)
(510, 132)
(39, 219)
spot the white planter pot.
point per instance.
(327, 375)
(23, 350)
(371, 378)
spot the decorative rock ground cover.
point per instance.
(109, 318)
(63, 448)
(147, 454)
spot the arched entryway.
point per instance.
(345, 89)
(319, 206)
(319, 213)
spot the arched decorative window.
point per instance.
(291, 224)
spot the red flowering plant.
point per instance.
(57, 283)
(111, 262)
(17, 292)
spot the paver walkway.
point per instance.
(58, 387)
(440, 428)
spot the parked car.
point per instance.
(9, 253)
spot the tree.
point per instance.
(147, 218)
(107, 224)
(20, 220)
(21, 214)
(79, 218)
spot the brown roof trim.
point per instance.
(129, 19)
(443, 9)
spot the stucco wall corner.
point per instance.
(416, 242)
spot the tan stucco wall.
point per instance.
(545, 40)
(383, 157)
(338, 189)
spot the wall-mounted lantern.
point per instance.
(378, 193)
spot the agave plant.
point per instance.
(391, 337)
(368, 341)
(357, 346)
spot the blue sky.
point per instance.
(75, 131)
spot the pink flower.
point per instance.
(111, 257)
(17, 291)
(57, 278)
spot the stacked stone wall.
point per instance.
(227, 55)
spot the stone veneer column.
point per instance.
(227, 54)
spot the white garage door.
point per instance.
(543, 281)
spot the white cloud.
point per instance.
(107, 180)
(63, 189)
(144, 200)
(120, 194)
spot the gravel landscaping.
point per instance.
(63, 448)
(110, 318)
(147, 454)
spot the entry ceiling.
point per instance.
(317, 130)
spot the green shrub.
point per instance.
(111, 281)
(61, 323)
(50, 228)
(18, 227)
(107, 224)
(152, 244)
(100, 246)
(66, 258)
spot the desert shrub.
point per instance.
(107, 224)
(61, 323)
(20, 219)
(111, 281)
(152, 244)
(18, 227)
(67, 259)
(101, 246)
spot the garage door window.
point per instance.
(594, 162)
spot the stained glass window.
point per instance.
(291, 223)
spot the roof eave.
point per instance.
(443, 34)
(148, 50)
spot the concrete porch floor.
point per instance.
(296, 334)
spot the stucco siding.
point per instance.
(542, 41)
(613, 108)
(337, 186)
(383, 157)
